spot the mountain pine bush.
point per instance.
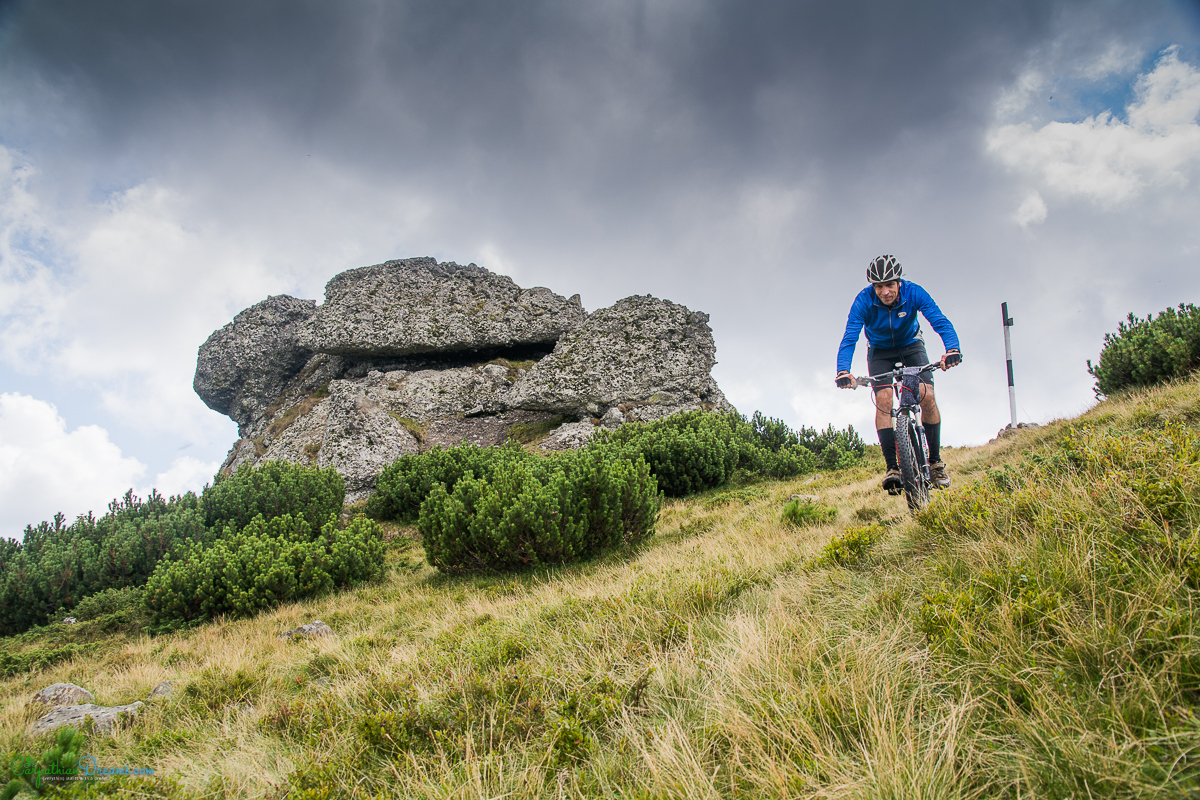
(539, 511)
(1147, 351)
(687, 452)
(404, 485)
(698, 450)
(263, 565)
(273, 489)
(57, 565)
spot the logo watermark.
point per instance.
(87, 768)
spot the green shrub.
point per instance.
(56, 565)
(618, 495)
(404, 485)
(267, 563)
(108, 602)
(1147, 351)
(539, 511)
(687, 452)
(700, 450)
(273, 489)
(787, 462)
(110, 611)
(850, 547)
(804, 512)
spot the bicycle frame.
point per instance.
(906, 390)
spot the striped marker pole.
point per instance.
(1012, 389)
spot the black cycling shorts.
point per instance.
(880, 361)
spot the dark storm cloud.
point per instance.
(554, 123)
(408, 85)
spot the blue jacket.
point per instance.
(893, 327)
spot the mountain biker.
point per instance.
(887, 309)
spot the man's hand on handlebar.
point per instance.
(845, 380)
(951, 358)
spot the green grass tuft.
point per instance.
(804, 512)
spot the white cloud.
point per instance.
(817, 402)
(45, 469)
(1118, 59)
(186, 474)
(1017, 98)
(1032, 210)
(29, 292)
(1107, 160)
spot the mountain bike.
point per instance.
(912, 451)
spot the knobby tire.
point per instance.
(908, 451)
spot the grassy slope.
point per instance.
(715, 662)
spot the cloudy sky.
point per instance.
(165, 164)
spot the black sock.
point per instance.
(933, 437)
(887, 443)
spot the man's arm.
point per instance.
(937, 320)
(854, 325)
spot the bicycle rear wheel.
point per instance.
(912, 464)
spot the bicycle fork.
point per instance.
(920, 427)
(924, 454)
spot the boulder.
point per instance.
(1009, 431)
(570, 436)
(640, 359)
(242, 368)
(163, 689)
(105, 718)
(416, 305)
(62, 694)
(312, 630)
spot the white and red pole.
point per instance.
(1012, 389)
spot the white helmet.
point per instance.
(884, 269)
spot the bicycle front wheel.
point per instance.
(912, 463)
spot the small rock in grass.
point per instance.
(163, 689)
(62, 694)
(313, 629)
(105, 718)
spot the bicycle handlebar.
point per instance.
(865, 380)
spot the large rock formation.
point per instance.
(420, 306)
(410, 354)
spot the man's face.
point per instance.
(887, 292)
